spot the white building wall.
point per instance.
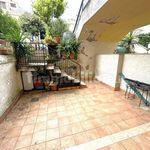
(90, 50)
(106, 69)
(136, 67)
(10, 82)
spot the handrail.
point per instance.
(79, 67)
(38, 56)
(67, 65)
(81, 9)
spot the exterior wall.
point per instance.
(13, 11)
(89, 51)
(136, 67)
(107, 68)
(10, 82)
(133, 66)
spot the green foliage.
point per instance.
(128, 42)
(32, 24)
(58, 27)
(69, 46)
(48, 9)
(23, 50)
(144, 39)
(11, 31)
(9, 28)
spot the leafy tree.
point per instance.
(11, 31)
(58, 27)
(128, 42)
(9, 27)
(144, 39)
(32, 24)
(49, 9)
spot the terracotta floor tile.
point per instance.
(102, 131)
(41, 118)
(24, 141)
(67, 142)
(42, 112)
(73, 119)
(146, 135)
(92, 134)
(25, 148)
(52, 116)
(52, 110)
(96, 122)
(123, 125)
(52, 123)
(105, 148)
(87, 125)
(52, 134)
(74, 116)
(53, 145)
(142, 141)
(33, 113)
(76, 128)
(145, 117)
(14, 132)
(27, 129)
(134, 122)
(116, 146)
(65, 130)
(64, 121)
(39, 137)
(129, 143)
(83, 117)
(80, 138)
(38, 146)
(112, 128)
(30, 120)
(40, 126)
(19, 123)
(8, 144)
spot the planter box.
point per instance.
(5, 48)
(53, 87)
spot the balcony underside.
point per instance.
(114, 20)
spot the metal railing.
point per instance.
(69, 67)
(83, 5)
(37, 58)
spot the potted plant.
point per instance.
(69, 48)
(22, 49)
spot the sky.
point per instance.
(69, 15)
(70, 12)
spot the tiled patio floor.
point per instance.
(64, 119)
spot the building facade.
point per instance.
(12, 7)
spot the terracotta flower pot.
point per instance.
(72, 56)
(57, 39)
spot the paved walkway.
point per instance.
(93, 118)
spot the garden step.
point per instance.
(50, 67)
(57, 71)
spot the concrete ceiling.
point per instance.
(115, 19)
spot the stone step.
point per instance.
(57, 71)
(50, 67)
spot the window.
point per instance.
(2, 5)
(13, 5)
